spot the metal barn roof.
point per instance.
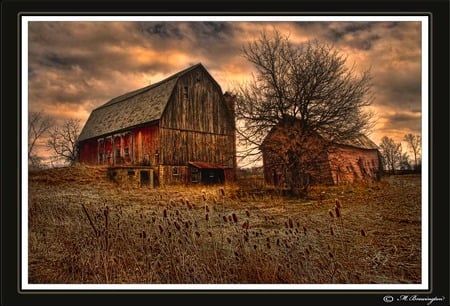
(133, 108)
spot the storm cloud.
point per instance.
(76, 66)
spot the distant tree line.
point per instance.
(45, 135)
(393, 157)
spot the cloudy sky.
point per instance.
(75, 66)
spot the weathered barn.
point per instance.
(322, 161)
(179, 130)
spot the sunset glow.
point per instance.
(76, 66)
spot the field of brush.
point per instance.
(84, 229)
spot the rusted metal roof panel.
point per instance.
(132, 109)
(203, 165)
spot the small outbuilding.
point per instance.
(320, 161)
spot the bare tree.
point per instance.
(391, 153)
(414, 143)
(63, 141)
(309, 83)
(38, 125)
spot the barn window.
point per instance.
(185, 93)
(130, 172)
(195, 175)
(175, 171)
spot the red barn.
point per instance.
(320, 160)
(179, 130)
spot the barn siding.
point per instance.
(197, 124)
(180, 147)
(350, 164)
(88, 152)
(277, 174)
(197, 104)
(168, 177)
(136, 147)
(333, 163)
(145, 148)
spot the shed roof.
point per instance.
(203, 165)
(361, 141)
(131, 109)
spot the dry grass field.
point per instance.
(84, 229)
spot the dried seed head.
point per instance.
(245, 225)
(165, 213)
(330, 254)
(230, 218)
(247, 213)
(331, 231)
(338, 204)
(291, 223)
(235, 219)
(197, 233)
(144, 235)
(225, 219)
(204, 197)
(229, 239)
(207, 208)
(331, 213)
(363, 233)
(222, 191)
(177, 225)
(160, 228)
(207, 217)
(318, 231)
(338, 212)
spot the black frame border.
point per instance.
(438, 10)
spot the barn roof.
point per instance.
(203, 165)
(361, 141)
(131, 109)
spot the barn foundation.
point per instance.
(137, 176)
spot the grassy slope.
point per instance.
(179, 234)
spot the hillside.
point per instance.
(86, 229)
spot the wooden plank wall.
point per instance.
(350, 165)
(180, 147)
(196, 124)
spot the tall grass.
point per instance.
(220, 235)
